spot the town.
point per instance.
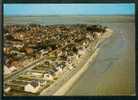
(54, 50)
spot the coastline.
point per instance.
(73, 79)
(79, 71)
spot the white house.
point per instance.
(76, 56)
(81, 51)
(84, 43)
(18, 45)
(37, 74)
(69, 65)
(9, 70)
(59, 71)
(33, 87)
(59, 53)
(43, 52)
(7, 89)
(48, 76)
(6, 34)
(6, 70)
(97, 34)
(12, 68)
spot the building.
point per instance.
(43, 52)
(59, 53)
(6, 70)
(59, 71)
(36, 74)
(14, 64)
(29, 50)
(18, 45)
(48, 76)
(7, 89)
(81, 51)
(7, 50)
(33, 86)
(69, 65)
(97, 34)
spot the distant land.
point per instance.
(69, 15)
(71, 19)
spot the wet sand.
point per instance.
(113, 72)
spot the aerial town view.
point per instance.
(49, 55)
(54, 49)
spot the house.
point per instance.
(88, 36)
(7, 50)
(18, 45)
(17, 53)
(19, 36)
(59, 70)
(36, 74)
(6, 70)
(81, 51)
(97, 34)
(48, 76)
(29, 50)
(59, 53)
(12, 68)
(15, 64)
(7, 89)
(43, 82)
(76, 56)
(43, 52)
(69, 65)
(33, 86)
(6, 34)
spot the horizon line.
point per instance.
(75, 15)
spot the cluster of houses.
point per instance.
(37, 78)
(62, 44)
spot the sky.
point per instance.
(69, 9)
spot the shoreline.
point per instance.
(73, 78)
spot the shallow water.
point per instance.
(113, 72)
